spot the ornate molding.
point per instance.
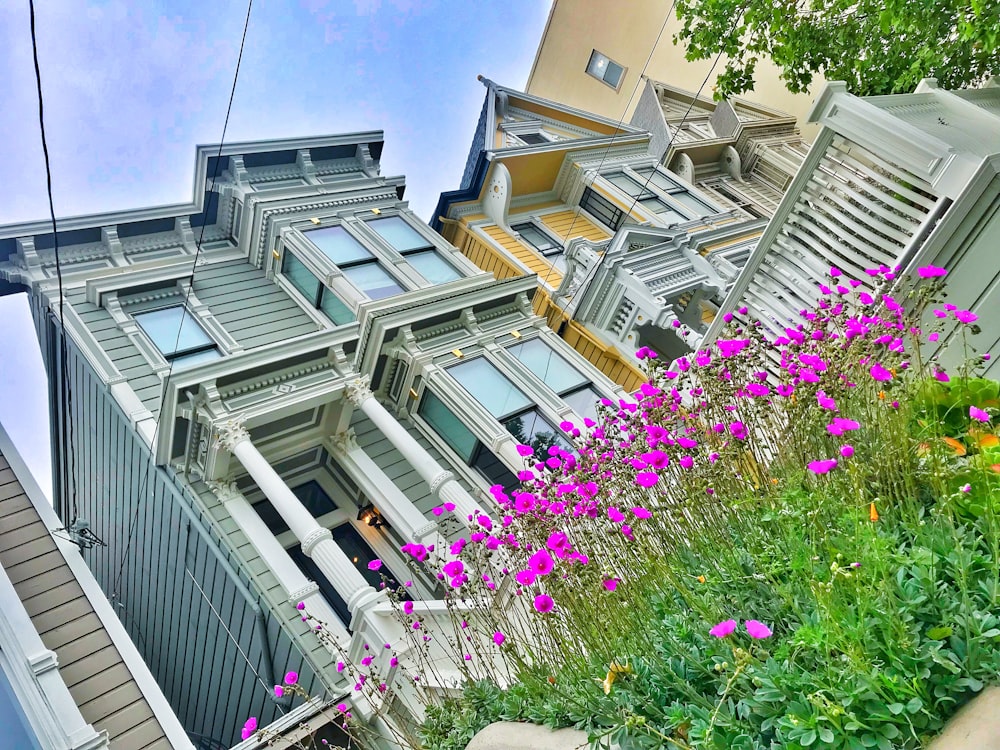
(359, 390)
(296, 596)
(344, 442)
(226, 491)
(231, 432)
(314, 537)
(439, 481)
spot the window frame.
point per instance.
(428, 246)
(617, 215)
(178, 356)
(607, 66)
(557, 252)
(320, 297)
(584, 382)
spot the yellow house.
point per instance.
(623, 248)
(593, 53)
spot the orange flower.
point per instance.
(955, 445)
(701, 579)
(881, 395)
(995, 468)
(989, 441)
(872, 513)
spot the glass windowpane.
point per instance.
(658, 179)
(531, 428)
(17, 729)
(173, 330)
(535, 237)
(613, 73)
(186, 360)
(337, 245)
(597, 64)
(489, 387)
(432, 266)
(550, 367)
(373, 280)
(626, 183)
(583, 401)
(399, 234)
(335, 309)
(700, 208)
(532, 139)
(449, 427)
(300, 277)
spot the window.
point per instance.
(605, 69)
(570, 384)
(179, 337)
(531, 139)
(604, 210)
(505, 401)
(461, 439)
(310, 287)
(418, 251)
(676, 191)
(646, 197)
(356, 262)
(543, 243)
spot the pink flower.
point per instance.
(300, 606)
(408, 607)
(646, 478)
(374, 565)
(930, 272)
(341, 666)
(979, 414)
(847, 451)
(641, 512)
(541, 563)
(823, 467)
(291, 678)
(278, 692)
(941, 376)
(758, 630)
(525, 577)
(616, 515)
(966, 488)
(498, 638)
(825, 401)
(966, 316)
(544, 603)
(724, 628)
(840, 425)
(878, 372)
(611, 584)
(453, 568)
(249, 728)
(932, 337)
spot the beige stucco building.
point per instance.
(593, 52)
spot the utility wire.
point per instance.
(67, 470)
(187, 294)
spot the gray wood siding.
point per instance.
(89, 662)
(253, 309)
(149, 569)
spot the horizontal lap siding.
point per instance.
(252, 308)
(89, 662)
(528, 257)
(486, 256)
(136, 508)
(565, 223)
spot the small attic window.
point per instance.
(606, 70)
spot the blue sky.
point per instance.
(131, 87)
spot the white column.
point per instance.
(316, 541)
(391, 502)
(297, 587)
(441, 481)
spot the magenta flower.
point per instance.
(724, 628)
(840, 425)
(646, 478)
(453, 568)
(525, 577)
(341, 666)
(291, 678)
(249, 728)
(966, 488)
(408, 607)
(279, 691)
(541, 563)
(932, 337)
(641, 512)
(499, 638)
(930, 272)
(544, 603)
(758, 630)
(374, 565)
(300, 606)
(611, 584)
(878, 372)
(823, 467)
(616, 515)
(847, 451)
(825, 401)
(941, 376)
(979, 414)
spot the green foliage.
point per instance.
(876, 46)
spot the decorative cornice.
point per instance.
(344, 442)
(231, 432)
(226, 491)
(296, 596)
(359, 390)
